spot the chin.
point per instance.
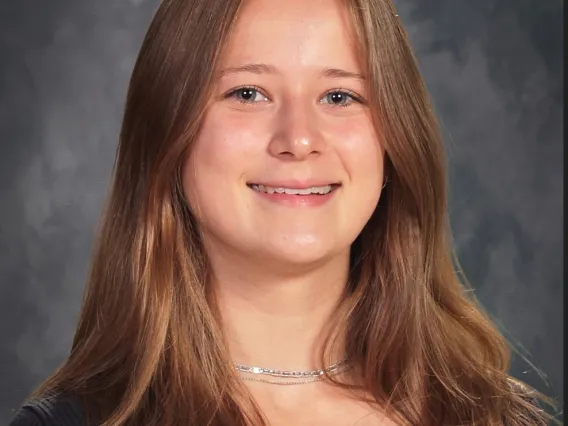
(294, 255)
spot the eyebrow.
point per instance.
(339, 73)
(269, 69)
(252, 68)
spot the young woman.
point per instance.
(275, 249)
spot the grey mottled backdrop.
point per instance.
(493, 67)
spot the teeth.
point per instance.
(322, 190)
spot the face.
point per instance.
(288, 166)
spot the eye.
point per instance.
(247, 95)
(342, 98)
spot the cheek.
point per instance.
(212, 157)
(220, 146)
(362, 153)
(223, 151)
(362, 156)
(216, 169)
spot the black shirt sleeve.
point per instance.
(26, 417)
(55, 411)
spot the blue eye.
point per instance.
(340, 98)
(252, 95)
(247, 95)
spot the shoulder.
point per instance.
(50, 411)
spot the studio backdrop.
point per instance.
(493, 68)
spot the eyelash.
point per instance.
(356, 98)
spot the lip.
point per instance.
(295, 184)
(291, 200)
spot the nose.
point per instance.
(296, 136)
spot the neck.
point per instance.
(276, 320)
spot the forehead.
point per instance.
(293, 32)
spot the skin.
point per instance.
(279, 270)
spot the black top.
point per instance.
(54, 411)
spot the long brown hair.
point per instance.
(149, 349)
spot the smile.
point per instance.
(314, 190)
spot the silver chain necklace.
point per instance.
(299, 376)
